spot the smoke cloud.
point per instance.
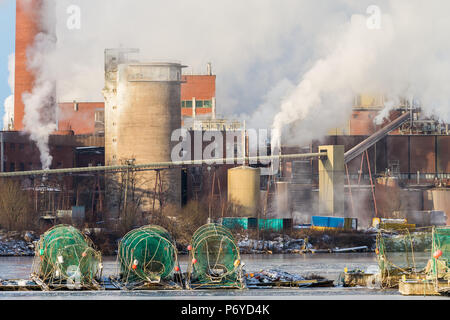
(406, 55)
(253, 45)
(293, 65)
(8, 117)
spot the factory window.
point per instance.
(21, 146)
(4, 166)
(30, 165)
(203, 104)
(99, 116)
(199, 104)
(22, 166)
(12, 167)
(12, 146)
(186, 104)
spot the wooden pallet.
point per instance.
(423, 287)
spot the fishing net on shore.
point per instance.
(439, 267)
(66, 257)
(403, 253)
(214, 259)
(147, 254)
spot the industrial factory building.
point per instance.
(391, 173)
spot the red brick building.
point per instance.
(88, 117)
(19, 153)
(198, 95)
(82, 117)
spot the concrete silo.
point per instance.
(142, 109)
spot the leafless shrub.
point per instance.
(15, 208)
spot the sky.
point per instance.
(7, 43)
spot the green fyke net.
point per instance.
(147, 254)
(67, 256)
(214, 258)
(441, 253)
(403, 252)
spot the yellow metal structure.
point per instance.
(331, 181)
(244, 189)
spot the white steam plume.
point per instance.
(407, 56)
(8, 117)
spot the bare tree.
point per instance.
(15, 208)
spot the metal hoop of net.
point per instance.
(214, 259)
(66, 259)
(147, 255)
(403, 253)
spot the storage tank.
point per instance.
(439, 199)
(142, 109)
(283, 201)
(244, 190)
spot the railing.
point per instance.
(163, 165)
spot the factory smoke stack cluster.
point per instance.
(377, 54)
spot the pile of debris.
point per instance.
(15, 243)
(269, 276)
(278, 278)
(280, 244)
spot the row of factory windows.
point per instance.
(13, 167)
(198, 104)
(12, 146)
(21, 146)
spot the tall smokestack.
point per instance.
(27, 27)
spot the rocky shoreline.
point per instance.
(20, 244)
(283, 244)
(17, 244)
